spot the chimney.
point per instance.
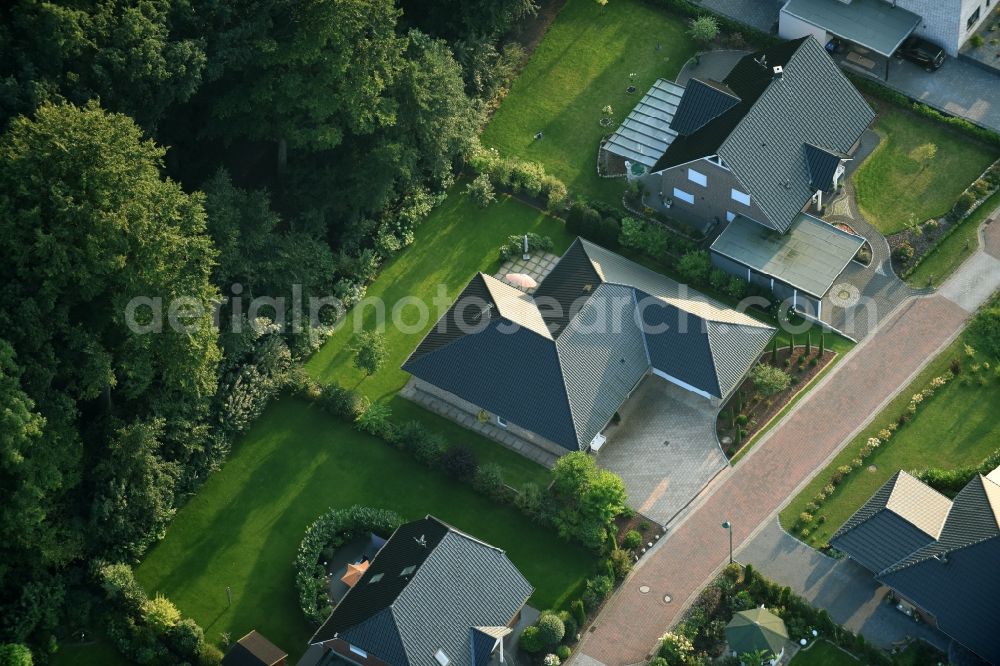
(778, 71)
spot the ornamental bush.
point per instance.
(598, 589)
(459, 462)
(480, 189)
(631, 540)
(332, 530)
(489, 481)
(569, 624)
(769, 380)
(621, 563)
(694, 266)
(550, 629)
(530, 640)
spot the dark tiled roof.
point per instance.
(566, 288)
(567, 385)
(953, 576)
(253, 650)
(506, 370)
(473, 309)
(457, 583)
(881, 541)
(762, 138)
(682, 348)
(482, 647)
(702, 102)
(822, 165)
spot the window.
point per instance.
(683, 196)
(716, 160)
(696, 177)
(740, 196)
(730, 216)
(358, 651)
(408, 571)
(502, 422)
(973, 19)
(376, 578)
(442, 658)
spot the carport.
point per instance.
(876, 27)
(801, 264)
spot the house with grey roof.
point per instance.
(553, 367)
(747, 158)
(938, 555)
(432, 596)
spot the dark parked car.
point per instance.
(928, 55)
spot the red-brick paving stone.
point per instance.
(631, 623)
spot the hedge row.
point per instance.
(520, 176)
(890, 95)
(327, 533)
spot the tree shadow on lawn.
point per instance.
(285, 478)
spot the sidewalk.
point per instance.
(857, 389)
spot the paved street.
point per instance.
(665, 448)
(781, 463)
(844, 588)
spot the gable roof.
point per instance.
(428, 589)
(645, 134)
(762, 138)
(703, 101)
(822, 164)
(952, 574)
(566, 382)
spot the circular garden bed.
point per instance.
(325, 535)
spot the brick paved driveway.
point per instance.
(665, 448)
(784, 460)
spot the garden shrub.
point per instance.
(529, 500)
(964, 203)
(514, 245)
(769, 380)
(694, 266)
(563, 652)
(985, 328)
(579, 613)
(160, 614)
(587, 499)
(521, 176)
(15, 654)
(531, 640)
(550, 629)
(621, 563)
(608, 231)
(570, 624)
(333, 529)
(598, 589)
(631, 540)
(480, 189)
(375, 420)
(343, 402)
(554, 191)
(737, 287)
(718, 278)
(704, 29)
(459, 462)
(489, 481)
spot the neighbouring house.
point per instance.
(755, 630)
(881, 26)
(254, 650)
(554, 367)
(939, 556)
(432, 596)
(747, 157)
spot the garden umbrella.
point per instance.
(756, 629)
(354, 573)
(522, 280)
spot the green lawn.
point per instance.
(955, 427)
(823, 653)
(896, 189)
(244, 525)
(955, 249)
(581, 66)
(455, 242)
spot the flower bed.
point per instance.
(747, 413)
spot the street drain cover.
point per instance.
(667, 599)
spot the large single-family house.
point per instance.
(881, 26)
(553, 367)
(432, 596)
(940, 556)
(749, 156)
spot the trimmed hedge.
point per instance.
(332, 530)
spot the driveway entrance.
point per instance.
(665, 448)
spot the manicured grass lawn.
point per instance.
(244, 525)
(956, 248)
(895, 189)
(581, 66)
(955, 427)
(456, 241)
(823, 653)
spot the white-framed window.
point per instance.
(683, 196)
(442, 658)
(742, 197)
(971, 23)
(358, 651)
(697, 177)
(730, 216)
(501, 421)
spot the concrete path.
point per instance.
(781, 463)
(665, 448)
(845, 589)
